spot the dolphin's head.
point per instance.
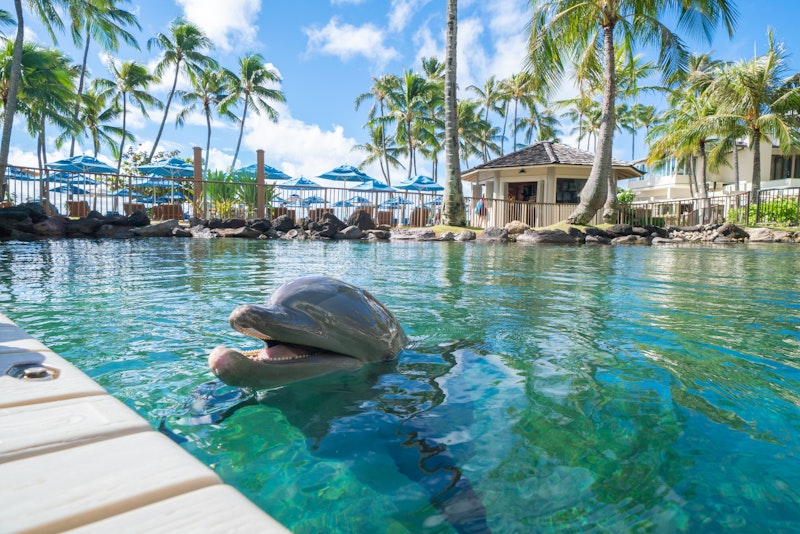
(311, 326)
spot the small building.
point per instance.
(538, 185)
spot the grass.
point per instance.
(441, 228)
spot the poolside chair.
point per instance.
(130, 208)
(385, 218)
(419, 217)
(163, 212)
(77, 208)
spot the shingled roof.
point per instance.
(546, 153)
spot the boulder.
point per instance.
(416, 234)
(321, 230)
(194, 221)
(361, 219)
(201, 232)
(494, 234)
(226, 223)
(83, 227)
(181, 232)
(662, 241)
(619, 230)
(139, 219)
(466, 235)
(333, 220)
(517, 227)
(378, 234)
(729, 231)
(16, 218)
(547, 236)
(35, 211)
(350, 232)
(282, 223)
(447, 236)
(631, 240)
(163, 229)
(241, 232)
(262, 225)
(597, 239)
(114, 231)
(55, 226)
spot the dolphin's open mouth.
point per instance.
(276, 351)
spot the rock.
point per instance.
(17, 235)
(283, 223)
(547, 236)
(466, 235)
(194, 221)
(181, 232)
(83, 227)
(631, 240)
(333, 220)
(262, 225)
(493, 233)
(350, 232)
(15, 218)
(662, 241)
(378, 234)
(35, 211)
(416, 234)
(730, 231)
(597, 239)
(114, 231)
(201, 232)
(226, 223)
(319, 230)
(592, 231)
(117, 220)
(94, 214)
(761, 235)
(361, 219)
(447, 236)
(163, 229)
(139, 219)
(241, 232)
(619, 230)
(55, 226)
(516, 227)
(294, 233)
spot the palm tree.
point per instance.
(408, 104)
(95, 116)
(760, 99)
(104, 22)
(379, 93)
(570, 28)
(183, 48)
(380, 150)
(518, 88)
(251, 87)
(209, 89)
(47, 12)
(470, 128)
(454, 211)
(489, 97)
(130, 84)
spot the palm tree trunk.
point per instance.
(756, 179)
(11, 104)
(124, 125)
(241, 132)
(735, 165)
(166, 112)
(384, 155)
(514, 125)
(702, 190)
(453, 208)
(208, 142)
(410, 148)
(505, 123)
(595, 193)
(80, 90)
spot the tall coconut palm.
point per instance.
(489, 97)
(519, 87)
(761, 98)
(96, 116)
(184, 47)
(129, 85)
(454, 211)
(380, 149)
(253, 86)
(562, 29)
(409, 109)
(377, 118)
(47, 12)
(209, 89)
(104, 22)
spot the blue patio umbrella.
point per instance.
(270, 173)
(63, 177)
(152, 181)
(18, 174)
(82, 164)
(395, 203)
(437, 201)
(352, 202)
(419, 183)
(346, 173)
(79, 179)
(372, 185)
(127, 193)
(171, 167)
(309, 201)
(299, 183)
(69, 189)
(175, 196)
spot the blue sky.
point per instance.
(327, 52)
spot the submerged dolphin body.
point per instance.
(312, 326)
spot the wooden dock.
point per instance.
(74, 458)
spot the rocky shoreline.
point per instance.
(28, 222)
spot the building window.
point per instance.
(568, 190)
(781, 168)
(523, 192)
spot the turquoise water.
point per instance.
(546, 388)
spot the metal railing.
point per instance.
(248, 199)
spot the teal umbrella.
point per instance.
(346, 173)
(299, 183)
(82, 164)
(270, 173)
(172, 168)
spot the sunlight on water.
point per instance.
(546, 388)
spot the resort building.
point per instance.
(538, 185)
(670, 180)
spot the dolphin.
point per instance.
(312, 326)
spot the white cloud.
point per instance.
(228, 24)
(346, 41)
(402, 11)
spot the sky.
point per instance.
(328, 52)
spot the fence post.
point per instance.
(198, 183)
(260, 183)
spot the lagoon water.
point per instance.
(546, 388)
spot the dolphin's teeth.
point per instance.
(253, 333)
